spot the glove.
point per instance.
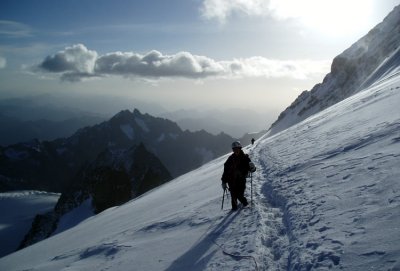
(224, 186)
(252, 167)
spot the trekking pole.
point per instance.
(223, 198)
(251, 188)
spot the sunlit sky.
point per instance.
(179, 53)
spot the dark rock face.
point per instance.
(42, 227)
(109, 187)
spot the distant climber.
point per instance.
(235, 172)
(252, 141)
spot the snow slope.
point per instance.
(18, 209)
(326, 196)
(336, 176)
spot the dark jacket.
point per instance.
(236, 168)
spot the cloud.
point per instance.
(316, 14)
(76, 58)
(14, 29)
(270, 68)
(3, 62)
(155, 64)
(222, 9)
(77, 62)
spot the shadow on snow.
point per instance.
(197, 258)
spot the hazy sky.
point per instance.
(179, 53)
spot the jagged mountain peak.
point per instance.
(126, 115)
(123, 114)
(136, 112)
(142, 121)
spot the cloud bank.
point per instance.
(76, 63)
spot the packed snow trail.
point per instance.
(252, 238)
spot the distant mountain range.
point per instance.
(372, 57)
(41, 117)
(50, 165)
(235, 122)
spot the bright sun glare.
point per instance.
(331, 17)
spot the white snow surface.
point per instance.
(75, 216)
(326, 195)
(18, 209)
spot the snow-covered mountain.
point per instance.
(325, 196)
(365, 62)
